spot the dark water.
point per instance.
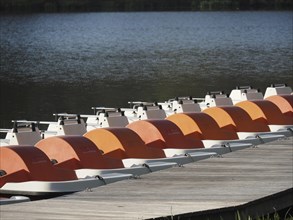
(70, 62)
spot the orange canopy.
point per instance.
(27, 163)
(265, 112)
(201, 126)
(122, 143)
(284, 103)
(235, 119)
(163, 134)
(76, 152)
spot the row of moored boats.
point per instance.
(79, 152)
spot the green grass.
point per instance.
(274, 216)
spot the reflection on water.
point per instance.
(70, 62)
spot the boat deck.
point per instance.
(250, 181)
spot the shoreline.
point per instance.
(56, 6)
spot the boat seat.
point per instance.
(185, 105)
(24, 133)
(162, 134)
(65, 127)
(28, 163)
(283, 102)
(150, 112)
(243, 93)
(113, 119)
(180, 104)
(106, 117)
(277, 89)
(217, 99)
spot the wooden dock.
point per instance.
(253, 181)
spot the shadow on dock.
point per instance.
(276, 206)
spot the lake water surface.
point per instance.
(70, 62)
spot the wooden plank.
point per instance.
(235, 179)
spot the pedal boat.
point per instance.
(201, 126)
(167, 135)
(81, 155)
(126, 144)
(27, 171)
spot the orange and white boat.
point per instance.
(26, 170)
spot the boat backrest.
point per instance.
(66, 127)
(278, 89)
(217, 99)
(242, 93)
(73, 129)
(112, 119)
(23, 134)
(23, 137)
(179, 106)
(150, 112)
